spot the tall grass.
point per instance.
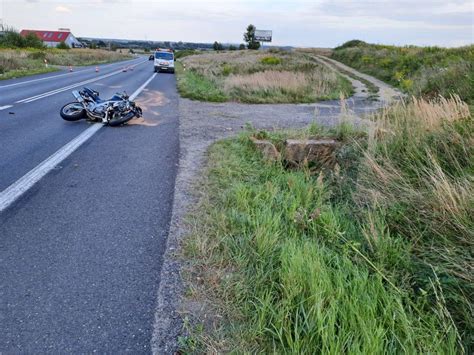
(21, 62)
(254, 77)
(282, 86)
(421, 71)
(417, 178)
(374, 257)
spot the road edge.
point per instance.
(168, 325)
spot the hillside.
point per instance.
(419, 71)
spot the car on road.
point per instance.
(151, 57)
(164, 60)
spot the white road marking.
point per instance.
(19, 187)
(57, 91)
(41, 79)
(5, 107)
(53, 76)
(140, 89)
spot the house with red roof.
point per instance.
(53, 38)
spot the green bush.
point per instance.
(270, 60)
(13, 39)
(226, 70)
(32, 41)
(62, 45)
(352, 43)
(185, 52)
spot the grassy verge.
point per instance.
(420, 71)
(196, 86)
(23, 62)
(256, 77)
(18, 73)
(372, 257)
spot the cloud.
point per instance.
(430, 14)
(294, 22)
(62, 9)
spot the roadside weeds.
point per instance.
(280, 261)
(201, 124)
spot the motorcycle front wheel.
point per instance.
(73, 111)
(119, 120)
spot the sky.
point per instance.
(317, 23)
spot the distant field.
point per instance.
(258, 77)
(22, 62)
(420, 71)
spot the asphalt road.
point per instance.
(80, 252)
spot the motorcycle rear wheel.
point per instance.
(73, 111)
(114, 122)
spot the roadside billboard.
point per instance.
(263, 35)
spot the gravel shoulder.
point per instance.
(203, 123)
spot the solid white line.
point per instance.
(15, 190)
(49, 77)
(140, 89)
(57, 91)
(19, 187)
(5, 107)
(57, 76)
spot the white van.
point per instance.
(164, 60)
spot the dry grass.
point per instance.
(405, 127)
(21, 62)
(282, 80)
(433, 113)
(418, 170)
(259, 77)
(84, 56)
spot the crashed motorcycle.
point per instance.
(113, 112)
